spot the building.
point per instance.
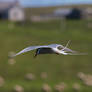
(88, 13)
(11, 11)
(62, 12)
(4, 7)
(16, 13)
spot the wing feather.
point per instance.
(30, 48)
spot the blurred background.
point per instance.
(41, 22)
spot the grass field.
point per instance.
(59, 68)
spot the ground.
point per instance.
(59, 68)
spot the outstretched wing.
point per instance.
(30, 48)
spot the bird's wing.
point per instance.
(31, 48)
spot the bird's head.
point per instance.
(59, 49)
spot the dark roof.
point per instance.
(4, 5)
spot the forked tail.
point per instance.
(66, 45)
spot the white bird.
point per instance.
(50, 49)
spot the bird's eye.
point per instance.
(59, 47)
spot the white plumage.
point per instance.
(50, 49)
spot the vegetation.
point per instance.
(59, 68)
(50, 10)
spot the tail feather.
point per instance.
(66, 45)
(77, 53)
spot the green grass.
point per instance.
(59, 68)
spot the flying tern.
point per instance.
(50, 49)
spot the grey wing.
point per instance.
(29, 49)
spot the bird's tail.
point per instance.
(77, 53)
(66, 45)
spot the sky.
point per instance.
(41, 3)
(38, 3)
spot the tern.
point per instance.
(50, 49)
